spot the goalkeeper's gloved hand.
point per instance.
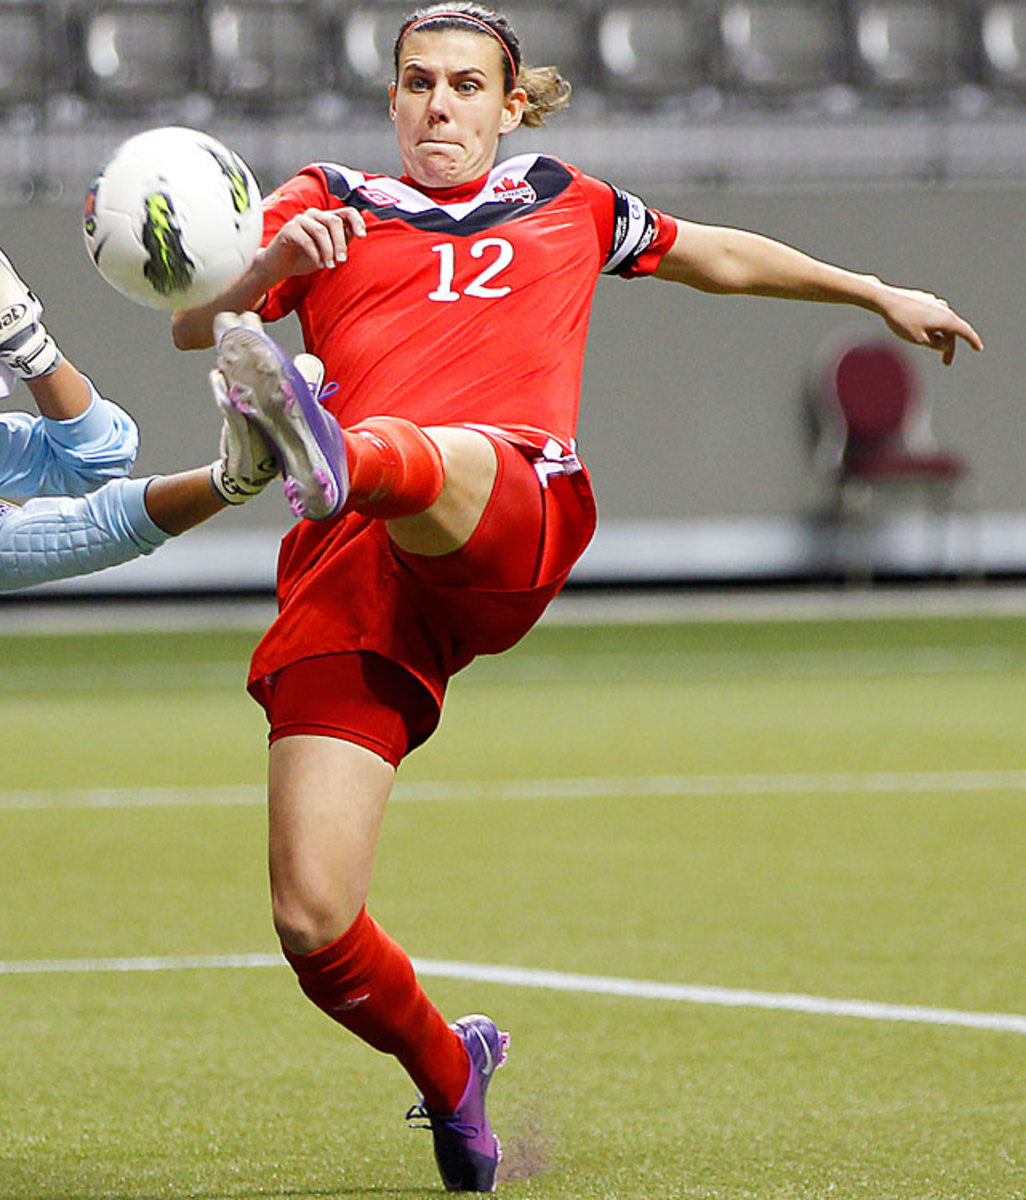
(25, 346)
(247, 463)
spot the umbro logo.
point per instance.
(377, 196)
(11, 316)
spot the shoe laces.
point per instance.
(420, 1117)
(326, 392)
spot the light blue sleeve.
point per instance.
(65, 536)
(42, 457)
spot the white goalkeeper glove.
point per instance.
(26, 348)
(247, 463)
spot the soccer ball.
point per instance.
(173, 218)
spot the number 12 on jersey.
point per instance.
(499, 254)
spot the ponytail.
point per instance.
(547, 92)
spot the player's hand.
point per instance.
(926, 320)
(310, 241)
(314, 240)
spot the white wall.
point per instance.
(700, 415)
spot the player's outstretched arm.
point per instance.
(925, 320)
(726, 261)
(63, 394)
(62, 537)
(65, 456)
(83, 439)
(311, 241)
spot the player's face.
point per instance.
(450, 106)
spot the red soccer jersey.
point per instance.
(468, 304)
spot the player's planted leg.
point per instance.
(466, 1149)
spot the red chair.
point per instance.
(871, 435)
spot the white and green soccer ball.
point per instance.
(173, 218)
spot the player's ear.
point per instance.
(513, 110)
(391, 100)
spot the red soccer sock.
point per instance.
(366, 982)
(395, 469)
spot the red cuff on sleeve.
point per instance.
(649, 259)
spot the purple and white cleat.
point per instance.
(280, 397)
(466, 1150)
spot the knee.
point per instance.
(471, 465)
(471, 468)
(305, 921)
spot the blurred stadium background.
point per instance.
(888, 135)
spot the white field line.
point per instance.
(561, 981)
(706, 665)
(570, 788)
(143, 797)
(679, 666)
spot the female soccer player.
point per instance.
(447, 499)
(81, 442)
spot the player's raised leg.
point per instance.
(267, 386)
(430, 485)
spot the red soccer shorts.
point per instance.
(344, 586)
(355, 696)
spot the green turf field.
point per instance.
(832, 809)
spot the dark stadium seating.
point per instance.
(271, 54)
(713, 90)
